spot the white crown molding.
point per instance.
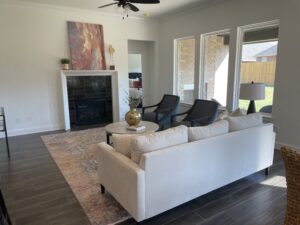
(74, 10)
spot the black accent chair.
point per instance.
(163, 112)
(4, 217)
(202, 113)
(3, 128)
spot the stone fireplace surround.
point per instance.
(114, 85)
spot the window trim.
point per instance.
(202, 58)
(238, 55)
(175, 65)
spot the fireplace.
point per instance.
(90, 97)
(90, 100)
(89, 112)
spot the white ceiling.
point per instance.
(166, 7)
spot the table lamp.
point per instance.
(252, 91)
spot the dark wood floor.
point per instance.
(35, 191)
(37, 194)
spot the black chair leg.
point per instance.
(7, 144)
(102, 189)
(4, 216)
(267, 171)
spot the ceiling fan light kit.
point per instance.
(127, 5)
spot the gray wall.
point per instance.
(231, 14)
(32, 41)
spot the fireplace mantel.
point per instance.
(115, 90)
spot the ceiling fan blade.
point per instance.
(103, 6)
(133, 7)
(144, 1)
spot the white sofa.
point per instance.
(174, 175)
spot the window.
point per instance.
(214, 66)
(258, 62)
(185, 69)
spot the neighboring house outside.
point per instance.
(257, 52)
(268, 55)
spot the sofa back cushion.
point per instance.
(123, 143)
(154, 141)
(244, 122)
(214, 129)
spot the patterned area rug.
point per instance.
(74, 153)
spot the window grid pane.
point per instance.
(186, 69)
(216, 59)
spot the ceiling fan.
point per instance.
(127, 5)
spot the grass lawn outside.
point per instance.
(243, 104)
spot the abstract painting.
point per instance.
(86, 46)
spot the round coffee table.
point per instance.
(121, 128)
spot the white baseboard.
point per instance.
(18, 132)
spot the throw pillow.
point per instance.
(123, 143)
(155, 141)
(222, 115)
(225, 114)
(244, 122)
(212, 130)
(238, 112)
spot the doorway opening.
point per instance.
(141, 70)
(135, 76)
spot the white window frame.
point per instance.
(239, 46)
(202, 59)
(175, 65)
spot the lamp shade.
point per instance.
(252, 91)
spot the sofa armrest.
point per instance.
(122, 178)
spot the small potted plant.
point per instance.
(65, 64)
(111, 52)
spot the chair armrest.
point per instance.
(146, 107)
(179, 114)
(162, 111)
(122, 178)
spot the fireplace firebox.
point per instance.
(90, 100)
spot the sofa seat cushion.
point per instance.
(214, 129)
(244, 122)
(123, 143)
(155, 141)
